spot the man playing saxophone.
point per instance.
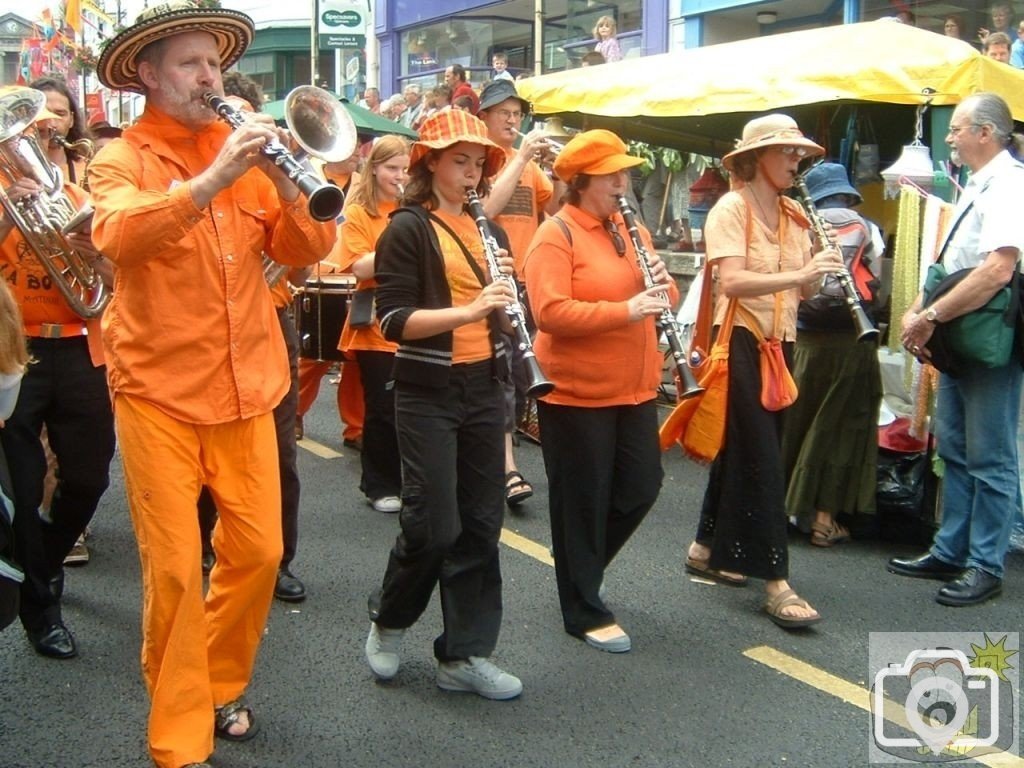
(186, 205)
(65, 391)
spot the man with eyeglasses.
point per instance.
(977, 413)
(519, 197)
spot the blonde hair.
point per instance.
(611, 25)
(384, 148)
(13, 345)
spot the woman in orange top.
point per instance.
(366, 216)
(597, 342)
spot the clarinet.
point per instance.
(539, 384)
(325, 200)
(862, 325)
(666, 321)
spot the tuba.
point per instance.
(41, 218)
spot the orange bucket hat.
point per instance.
(450, 127)
(595, 153)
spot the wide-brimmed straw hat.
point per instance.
(449, 127)
(771, 131)
(118, 64)
(595, 153)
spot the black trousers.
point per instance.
(743, 518)
(287, 454)
(604, 475)
(453, 498)
(63, 390)
(382, 466)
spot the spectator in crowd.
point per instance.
(607, 43)
(465, 103)
(977, 413)
(371, 100)
(1001, 14)
(592, 58)
(499, 67)
(414, 104)
(1017, 49)
(393, 107)
(953, 26)
(455, 78)
(997, 46)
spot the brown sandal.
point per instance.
(823, 535)
(703, 570)
(775, 605)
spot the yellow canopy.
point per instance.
(687, 99)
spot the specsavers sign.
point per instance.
(343, 23)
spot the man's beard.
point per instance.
(188, 108)
(954, 157)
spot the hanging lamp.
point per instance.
(915, 162)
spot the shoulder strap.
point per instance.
(705, 311)
(563, 226)
(465, 251)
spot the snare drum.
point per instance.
(320, 311)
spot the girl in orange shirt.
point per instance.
(366, 216)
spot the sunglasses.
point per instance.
(798, 151)
(617, 241)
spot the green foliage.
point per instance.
(672, 159)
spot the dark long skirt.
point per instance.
(830, 435)
(743, 519)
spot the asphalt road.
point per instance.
(710, 681)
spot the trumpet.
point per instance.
(83, 147)
(322, 127)
(538, 385)
(862, 324)
(666, 322)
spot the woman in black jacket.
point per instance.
(434, 298)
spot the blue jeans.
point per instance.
(976, 426)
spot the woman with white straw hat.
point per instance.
(758, 242)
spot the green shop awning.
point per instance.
(367, 123)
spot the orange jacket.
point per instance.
(579, 294)
(192, 327)
(358, 237)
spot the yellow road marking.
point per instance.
(526, 546)
(852, 694)
(318, 450)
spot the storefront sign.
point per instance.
(343, 23)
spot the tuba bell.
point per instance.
(41, 218)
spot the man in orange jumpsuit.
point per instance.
(185, 207)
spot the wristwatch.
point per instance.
(931, 316)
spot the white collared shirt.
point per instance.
(994, 220)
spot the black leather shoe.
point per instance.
(288, 588)
(927, 566)
(973, 586)
(55, 641)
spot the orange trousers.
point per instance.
(351, 407)
(199, 653)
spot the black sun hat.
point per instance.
(498, 91)
(118, 64)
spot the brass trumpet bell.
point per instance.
(320, 124)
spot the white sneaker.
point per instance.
(388, 504)
(480, 676)
(382, 647)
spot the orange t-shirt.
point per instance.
(524, 210)
(471, 343)
(356, 238)
(192, 328)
